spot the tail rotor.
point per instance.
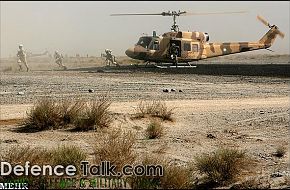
(266, 23)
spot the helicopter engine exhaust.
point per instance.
(206, 36)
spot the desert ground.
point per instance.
(250, 113)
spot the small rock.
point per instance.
(173, 90)
(165, 90)
(276, 174)
(91, 90)
(20, 93)
(262, 112)
(210, 136)
(179, 90)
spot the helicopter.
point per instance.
(184, 47)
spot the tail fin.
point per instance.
(269, 38)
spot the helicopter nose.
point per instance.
(130, 52)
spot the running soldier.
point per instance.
(58, 59)
(110, 58)
(22, 58)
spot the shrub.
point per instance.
(174, 177)
(44, 115)
(67, 155)
(154, 109)
(154, 130)
(70, 111)
(116, 147)
(20, 155)
(149, 181)
(63, 155)
(50, 114)
(223, 165)
(95, 115)
(280, 151)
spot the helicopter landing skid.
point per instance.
(179, 66)
(175, 66)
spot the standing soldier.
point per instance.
(58, 59)
(174, 51)
(22, 58)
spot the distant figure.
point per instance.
(110, 58)
(22, 58)
(58, 59)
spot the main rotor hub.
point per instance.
(174, 14)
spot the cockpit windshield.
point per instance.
(144, 41)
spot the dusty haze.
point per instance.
(87, 28)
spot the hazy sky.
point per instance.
(87, 27)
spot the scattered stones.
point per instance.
(9, 141)
(171, 90)
(91, 90)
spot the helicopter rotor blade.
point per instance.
(212, 13)
(281, 34)
(128, 14)
(266, 23)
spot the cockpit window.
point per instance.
(144, 41)
(154, 45)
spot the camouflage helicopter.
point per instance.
(185, 47)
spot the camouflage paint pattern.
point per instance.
(199, 47)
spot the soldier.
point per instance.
(58, 59)
(174, 50)
(22, 58)
(109, 57)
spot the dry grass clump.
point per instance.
(173, 177)
(154, 130)
(70, 111)
(223, 165)
(96, 114)
(67, 155)
(150, 181)
(116, 147)
(17, 155)
(44, 115)
(280, 151)
(51, 114)
(154, 109)
(176, 177)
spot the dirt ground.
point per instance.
(247, 112)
